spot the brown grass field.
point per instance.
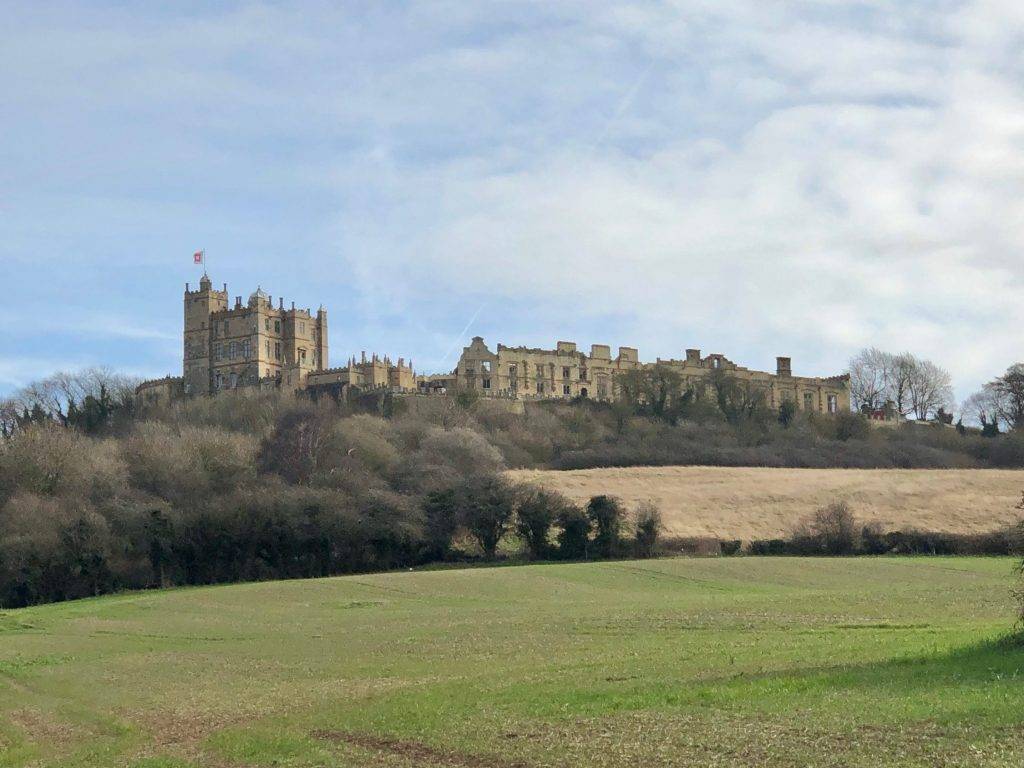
(760, 503)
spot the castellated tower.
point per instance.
(199, 306)
(249, 344)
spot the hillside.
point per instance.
(724, 662)
(760, 503)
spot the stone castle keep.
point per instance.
(257, 344)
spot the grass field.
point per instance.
(703, 662)
(763, 503)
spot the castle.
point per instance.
(259, 345)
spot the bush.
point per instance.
(574, 536)
(486, 506)
(536, 513)
(647, 529)
(731, 547)
(441, 520)
(607, 514)
(831, 530)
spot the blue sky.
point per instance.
(751, 178)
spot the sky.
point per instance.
(746, 177)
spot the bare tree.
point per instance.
(981, 408)
(913, 386)
(930, 388)
(868, 379)
(1007, 394)
(899, 373)
(57, 395)
(9, 417)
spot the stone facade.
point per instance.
(249, 344)
(564, 372)
(258, 344)
(364, 374)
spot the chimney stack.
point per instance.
(783, 367)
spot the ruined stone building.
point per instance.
(524, 373)
(257, 344)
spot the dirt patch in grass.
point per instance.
(416, 751)
(719, 739)
(43, 728)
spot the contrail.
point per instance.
(624, 104)
(458, 339)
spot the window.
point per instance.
(277, 351)
(485, 366)
(226, 328)
(216, 351)
(808, 401)
(565, 373)
(266, 323)
(277, 326)
(716, 362)
(487, 383)
(540, 387)
(833, 404)
(540, 371)
(302, 328)
(268, 350)
(566, 389)
(232, 350)
(302, 355)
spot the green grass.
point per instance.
(718, 662)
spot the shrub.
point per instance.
(441, 519)
(772, 547)
(574, 536)
(787, 412)
(831, 530)
(851, 426)
(535, 515)
(873, 540)
(699, 546)
(485, 511)
(647, 529)
(731, 547)
(606, 513)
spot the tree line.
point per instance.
(278, 488)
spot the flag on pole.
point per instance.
(199, 257)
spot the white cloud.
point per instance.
(763, 178)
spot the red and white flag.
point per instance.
(198, 257)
